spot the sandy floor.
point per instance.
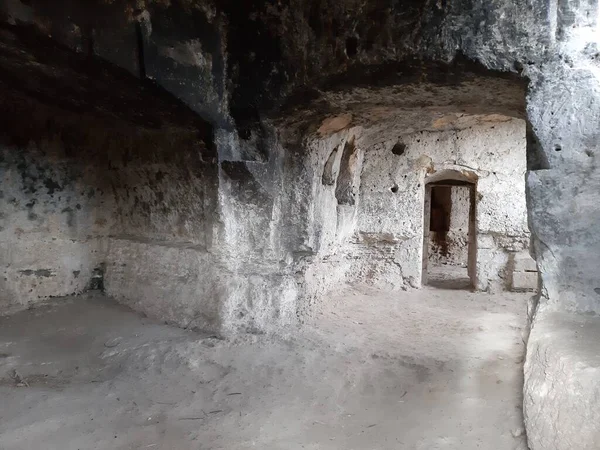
(428, 369)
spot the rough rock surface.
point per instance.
(563, 382)
(82, 200)
(268, 74)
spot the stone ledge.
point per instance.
(562, 382)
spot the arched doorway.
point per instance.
(449, 231)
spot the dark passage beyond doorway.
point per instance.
(448, 234)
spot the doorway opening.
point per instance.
(449, 236)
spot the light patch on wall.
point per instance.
(495, 118)
(452, 174)
(425, 162)
(334, 124)
(188, 53)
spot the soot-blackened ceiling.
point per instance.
(402, 98)
(249, 56)
(36, 67)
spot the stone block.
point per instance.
(524, 281)
(525, 263)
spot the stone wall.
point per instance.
(87, 204)
(55, 216)
(286, 228)
(332, 168)
(392, 197)
(378, 236)
(275, 222)
(259, 212)
(237, 75)
(160, 254)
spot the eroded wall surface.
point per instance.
(392, 197)
(55, 214)
(333, 216)
(280, 216)
(235, 71)
(375, 235)
(89, 205)
(160, 253)
(234, 74)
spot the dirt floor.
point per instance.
(426, 369)
(448, 277)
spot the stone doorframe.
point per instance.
(449, 178)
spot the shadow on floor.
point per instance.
(451, 284)
(448, 277)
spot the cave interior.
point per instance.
(225, 177)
